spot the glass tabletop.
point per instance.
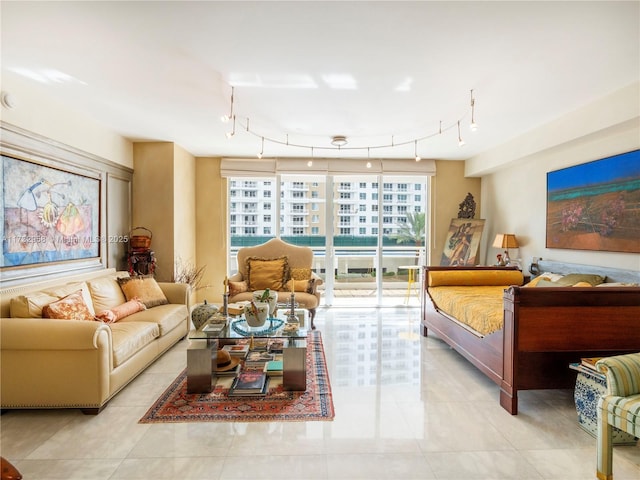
(237, 327)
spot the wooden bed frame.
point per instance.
(545, 329)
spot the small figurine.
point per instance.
(506, 259)
(500, 260)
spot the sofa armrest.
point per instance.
(623, 374)
(177, 293)
(48, 334)
(317, 278)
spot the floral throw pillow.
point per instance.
(71, 307)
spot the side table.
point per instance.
(590, 385)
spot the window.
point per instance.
(387, 187)
(297, 208)
(374, 208)
(417, 198)
(362, 219)
(345, 221)
(232, 219)
(315, 219)
(315, 194)
(363, 185)
(402, 187)
(387, 219)
(363, 196)
(374, 196)
(266, 218)
(345, 231)
(374, 219)
(314, 207)
(362, 208)
(387, 198)
(345, 195)
(267, 205)
(387, 208)
(362, 231)
(402, 199)
(297, 231)
(266, 193)
(266, 230)
(315, 231)
(249, 230)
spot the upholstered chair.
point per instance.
(279, 266)
(619, 408)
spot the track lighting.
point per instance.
(473, 126)
(233, 130)
(339, 142)
(226, 118)
(261, 149)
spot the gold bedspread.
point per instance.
(478, 307)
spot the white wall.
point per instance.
(514, 175)
(39, 113)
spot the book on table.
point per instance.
(590, 362)
(273, 368)
(249, 382)
(237, 349)
(258, 358)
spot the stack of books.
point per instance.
(239, 350)
(249, 382)
(273, 368)
(589, 362)
(257, 358)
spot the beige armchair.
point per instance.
(279, 266)
(619, 408)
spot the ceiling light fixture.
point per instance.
(473, 126)
(226, 118)
(310, 162)
(339, 141)
(233, 130)
(262, 149)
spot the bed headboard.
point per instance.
(611, 274)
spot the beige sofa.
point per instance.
(297, 263)
(49, 363)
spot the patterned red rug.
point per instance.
(316, 403)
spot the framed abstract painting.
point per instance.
(462, 245)
(48, 215)
(596, 205)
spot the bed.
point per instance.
(542, 330)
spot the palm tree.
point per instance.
(412, 231)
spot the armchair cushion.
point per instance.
(263, 273)
(623, 374)
(237, 287)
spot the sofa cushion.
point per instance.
(131, 337)
(145, 288)
(572, 280)
(121, 311)
(263, 273)
(237, 287)
(300, 285)
(106, 293)
(30, 306)
(71, 307)
(167, 317)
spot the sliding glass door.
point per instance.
(367, 231)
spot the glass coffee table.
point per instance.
(205, 341)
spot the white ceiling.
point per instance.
(311, 70)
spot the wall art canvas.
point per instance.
(47, 215)
(596, 205)
(462, 244)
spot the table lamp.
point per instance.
(505, 241)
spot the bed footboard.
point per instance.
(545, 329)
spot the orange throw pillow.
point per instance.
(71, 307)
(146, 289)
(121, 311)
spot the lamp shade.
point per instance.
(505, 240)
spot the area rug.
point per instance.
(316, 403)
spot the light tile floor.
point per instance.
(407, 407)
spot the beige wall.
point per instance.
(211, 227)
(184, 206)
(514, 197)
(153, 200)
(449, 188)
(37, 112)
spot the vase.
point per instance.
(272, 301)
(201, 313)
(258, 320)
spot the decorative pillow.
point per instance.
(237, 287)
(121, 311)
(271, 273)
(71, 307)
(300, 273)
(571, 280)
(298, 285)
(145, 288)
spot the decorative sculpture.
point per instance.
(467, 207)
